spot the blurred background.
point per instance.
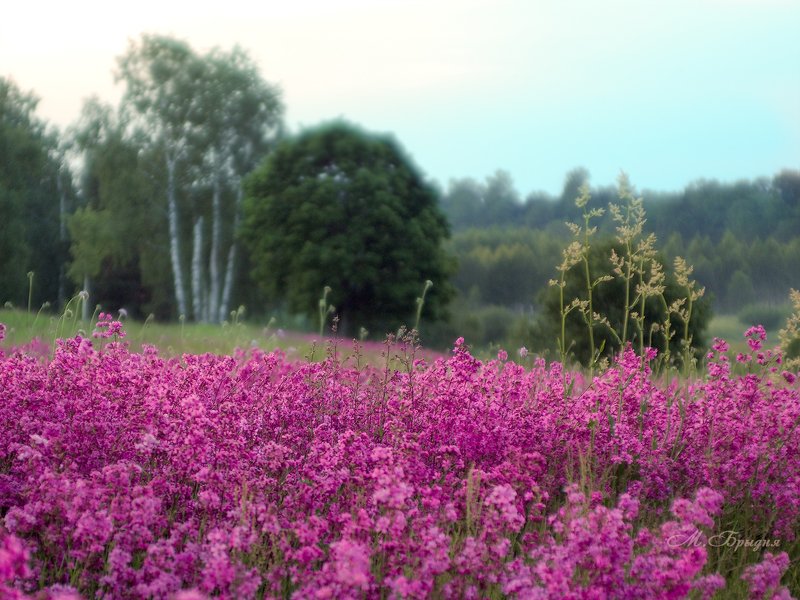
(128, 136)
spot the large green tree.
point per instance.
(118, 237)
(339, 207)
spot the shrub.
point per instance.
(771, 317)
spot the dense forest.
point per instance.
(141, 205)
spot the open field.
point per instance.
(171, 338)
(730, 329)
(175, 339)
(193, 338)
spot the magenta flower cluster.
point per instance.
(129, 475)
(107, 327)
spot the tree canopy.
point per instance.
(339, 207)
(30, 169)
(120, 199)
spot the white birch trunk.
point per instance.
(230, 267)
(197, 271)
(174, 239)
(216, 240)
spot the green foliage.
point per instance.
(493, 324)
(117, 234)
(484, 327)
(770, 317)
(338, 207)
(747, 209)
(741, 238)
(29, 207)
(504, 266)
(741, 270)
(92, 234)
(469, 203)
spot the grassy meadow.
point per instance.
(174, 339)
(39, 331)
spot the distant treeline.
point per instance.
(742, 238)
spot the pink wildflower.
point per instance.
(764, 578)
(720, 345)
(107, 327)
(756, 335)
(13, 559)
(63, 592)
(192, 594)
(351, 560)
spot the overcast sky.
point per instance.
(668, 91)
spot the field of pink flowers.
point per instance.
(129, 475)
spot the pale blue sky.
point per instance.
(668, 91)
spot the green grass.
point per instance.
(171, 338)
(731, 328)
(175, 339)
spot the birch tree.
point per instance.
(161, 76)
(213, 118)
(241, 120)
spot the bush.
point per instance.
(480, 327)
(770, 317)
